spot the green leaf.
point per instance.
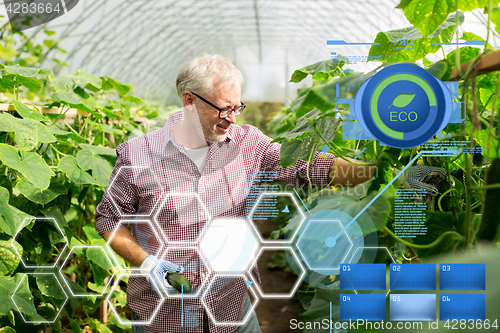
(121, 88)
(49, 286)
(24, 71)
(99, 150)
(439, 70)
(26, 133)
(44, 134)
(97, 255)
(42, 197)
(428, 15)
(30, 83)
(7, 82)
(403, 4)
(86, 99)
(7, 223)
(69, 165)
(67, 82)
(473, 36)
(402, 100)
(495, 18)
(421, 46)
(22, 296)
(303, 129)
(101, 169)
(292, 151)
(28, 113)
(65, 96)
(9, 260)
(30, 164)
(325, 67)
(90, 79)
(74, 324)
(132, 99)
(467, 53)
(91, 233)
(104, 127)
(7, 329)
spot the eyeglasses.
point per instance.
(224, 112)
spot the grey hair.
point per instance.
(199, 73)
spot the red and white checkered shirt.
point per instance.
(154, 179)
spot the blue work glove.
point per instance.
(156, 271)
(425, 178)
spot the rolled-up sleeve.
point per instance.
(300, 175)
(120, 197)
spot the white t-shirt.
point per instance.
(199, 156)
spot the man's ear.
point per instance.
(188, 101)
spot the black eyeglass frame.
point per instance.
(237, 110)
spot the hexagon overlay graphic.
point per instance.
(57, 228)
(296, 285)
(184, 215)
(228, 245)
(196, 269)
(148, 237)
(154, 311)
(56, 285)
(148, 186)
(218, 282)
(268, 206)
(95, 249)
(318, 248)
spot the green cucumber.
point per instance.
(177, 281)
(491, 209)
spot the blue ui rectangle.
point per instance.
(458, 306)
(413, 277)
(362, 277)
(462, 276)
(365, 307)
(410, 307)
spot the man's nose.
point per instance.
(231, 118)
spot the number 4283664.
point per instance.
(32, 8)
(470, 324)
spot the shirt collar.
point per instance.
(174, 119)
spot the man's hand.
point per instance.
(156, 271)
(425, 178)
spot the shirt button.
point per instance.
(200, 306)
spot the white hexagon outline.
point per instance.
(326, 268)
(92, 294)
(245, 319)
(133, 322)
(203, 282)
(60, 307)
(297, 283)
(277, 241)
(250, 262)
(375, 247)
(209, 217)
(132, 167)
(60, 253)
(153, 227)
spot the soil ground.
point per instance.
(275, 314)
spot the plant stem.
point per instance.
(424, 246)
(485, 187)
(443, 195)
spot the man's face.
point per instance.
(225, 94)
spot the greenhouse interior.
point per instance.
(250, 166)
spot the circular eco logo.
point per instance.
(403, 106)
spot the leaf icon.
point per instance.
(402, 100)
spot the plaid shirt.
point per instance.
(155, 179)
